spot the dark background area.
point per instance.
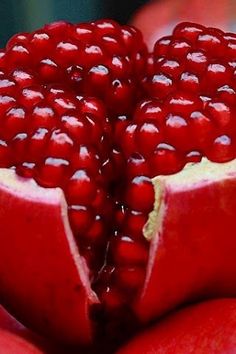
(27, 15)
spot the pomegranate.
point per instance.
(207, 327)
(117, 176)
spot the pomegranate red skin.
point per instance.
(208, 327)
(17, 338)
(42, 277)
(11, 343)
(192, 252)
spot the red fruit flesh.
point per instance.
(104, 161)
(208, 327)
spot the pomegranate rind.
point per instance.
(192, 238)
(12, 343)
(208, 327)
(43, 279)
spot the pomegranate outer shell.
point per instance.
(12, 343)
(43, 280)
(9, 324)
(208, 327)
(192, 232)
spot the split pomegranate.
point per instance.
(112, 206)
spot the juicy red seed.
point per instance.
(19, 38)
(14, 122)
(82, 32)
(6, 103)
(179, 48)
(222, 149)
(18, 55)
(111, 298)
(127, 252)
(52, 172)
(19, 144)
(58, 28)
(23, 78)
(43, 117)
(220, 113)
(26, 169)
(211, 42)
(162, 46)
(226, 94)
(105, 27)
(134, 223)
(148, 136)
(31, 96)
(5, 155)
(151, 110)
(201, 129)
(177, 132)
(41, 43)
(128, 144)
(217, 74)
(182, 103)
(7, 87)
(129, 277)
(66, 53)
(196, 62)
(81, 219)
(37, 144)
(97, 230)
(170, 67)
(137, 166)
(93, 107)
(120, 66)
(189, 82)
(97, 80)
(49, 71)
(140, 194)
(193, 156)
(159, 86)
(188, 31)
(60, 145)
(64, 104)
(76, 127)
(86, 158)
(166, 160)
(81, 189)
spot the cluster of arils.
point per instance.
(69, 119)
(190, 111)
(101, 59)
